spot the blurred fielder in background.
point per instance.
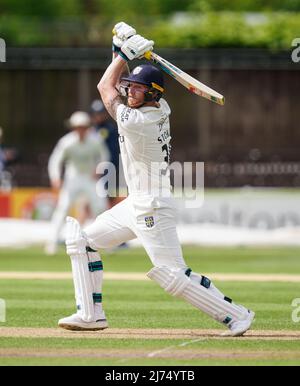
(80, 153)
(7, 156)
(148, 212)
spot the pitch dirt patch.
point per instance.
(123, 333)
(137, 276)
(170, 353)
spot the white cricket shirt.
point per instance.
(145, 149)
(80, 158)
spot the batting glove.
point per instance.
(135, 47)
(122, 32)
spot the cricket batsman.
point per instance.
(148, 213)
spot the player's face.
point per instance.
(82, 131)
(136, 94)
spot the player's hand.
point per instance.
(122, 32)
(135, 47)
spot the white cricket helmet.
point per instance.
(79, 118)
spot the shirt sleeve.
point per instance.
(130, 121)
(56, 161)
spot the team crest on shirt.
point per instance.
(149, 221)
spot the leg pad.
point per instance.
(177, 283)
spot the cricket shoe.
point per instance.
(76, 323)
(240, 327)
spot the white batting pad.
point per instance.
(198, 278)
(96, 275)
(178, 284)
(76, 249)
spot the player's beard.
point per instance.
(134, 103)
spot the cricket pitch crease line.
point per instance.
(139, 276)
(184, 344)
(158, 353)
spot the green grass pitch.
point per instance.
(37, 304)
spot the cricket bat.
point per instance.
(185, 79)
(192, 84)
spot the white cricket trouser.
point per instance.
(71, 190)
(154, 227)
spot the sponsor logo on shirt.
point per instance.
(162, 121)
(125, 114)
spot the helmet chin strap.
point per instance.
(150, 95)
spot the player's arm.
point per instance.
(108, 86)
(121, 33)
(126, 69)
(115, 54)
(55, 165)
(133, 48)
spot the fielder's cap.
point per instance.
(148, 75)
(97, 106)
(79, 118)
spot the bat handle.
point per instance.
(148, 55)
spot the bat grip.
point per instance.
(148, 55)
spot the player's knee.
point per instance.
(90, 245)
(76, 246)
(172, 280)
(75, 241)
